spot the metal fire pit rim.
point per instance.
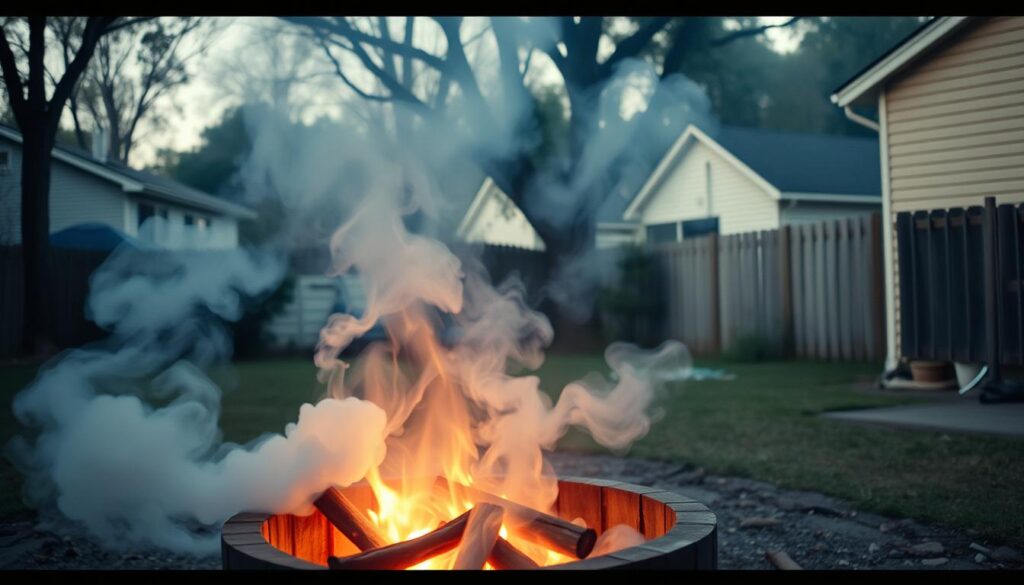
(695, 527)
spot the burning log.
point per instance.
(535, 526)
(340, 512)
(479, 537)
(403, 555)
(504, 556)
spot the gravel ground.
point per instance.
(753, 518)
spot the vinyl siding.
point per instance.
(222, 234)
(497, 221)
(740, 204)
(75, 197)
(955, 126)
(956, 121)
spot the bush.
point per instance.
(630, 306)
(250, 337)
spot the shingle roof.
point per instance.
(807, 163)
(153, 185)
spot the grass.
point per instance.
(762, 425)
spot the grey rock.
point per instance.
(926, 549)
(1005, 554)
(873, 548)
(938, 561)
(980, 558)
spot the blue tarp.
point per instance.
(93, 236)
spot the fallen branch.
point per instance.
(340, 512)
(782, 561)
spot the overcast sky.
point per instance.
(204, 99)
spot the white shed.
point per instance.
(746, 179)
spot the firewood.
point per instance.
(479, 537)
(536, 526)
(504, 556)
(340, 512)
(403, 555)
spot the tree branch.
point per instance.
(94, 28)
(342, 28)
(15, 88)
(632, 45)
(749, 32)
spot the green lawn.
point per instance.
(761, 425)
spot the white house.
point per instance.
(88, 189)
(493, 218)
(745, 179)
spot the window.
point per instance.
(5, 162)
(700, 227)
(663, 233)
(189, 219)
(146, 211)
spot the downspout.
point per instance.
(890, 316)
(855, 117)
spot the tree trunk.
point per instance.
(38, 337)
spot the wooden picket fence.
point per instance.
(808, 291)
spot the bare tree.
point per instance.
(38, 117)
(427, 81)
(132, 70)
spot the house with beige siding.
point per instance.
(950, 117)
(736, 180)
(89, 193)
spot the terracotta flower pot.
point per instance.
(930, 371)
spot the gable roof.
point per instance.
(490, 189)
(865, 83)
(141, 182)
(787, 165)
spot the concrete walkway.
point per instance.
(963, 415)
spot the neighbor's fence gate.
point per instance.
(809, 291)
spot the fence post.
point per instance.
(714, 296)
(786, 292)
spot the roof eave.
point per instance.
(863, 89)
(831, 197)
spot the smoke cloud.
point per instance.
(125, 442)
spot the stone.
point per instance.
(886, 527)
(873, 548)
(936, 562)
(1005, 554)
(982, 549)
(926, 549)
(979, 558)
(844, 563)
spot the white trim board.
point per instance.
(901, 58)
(832, 197)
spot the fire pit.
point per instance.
(680, 533)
